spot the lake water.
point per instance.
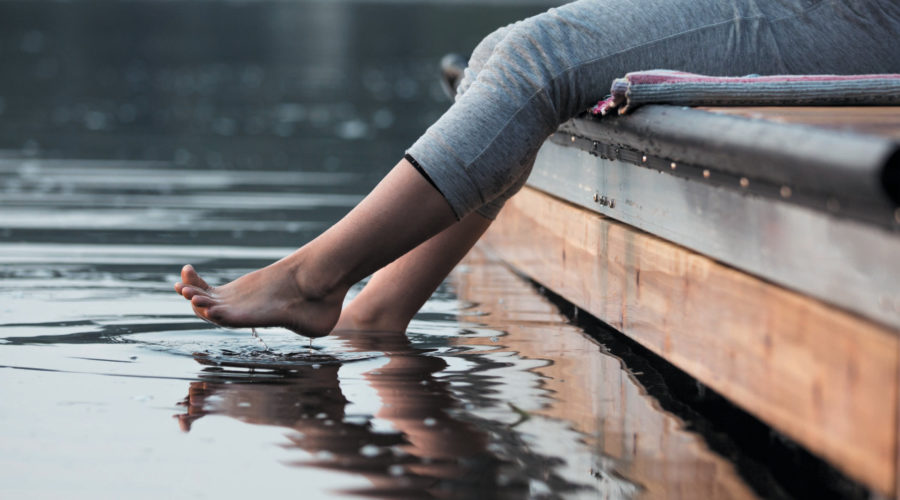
(139, 136)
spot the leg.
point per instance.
(396, 292)
(304, 291)
(555, 65)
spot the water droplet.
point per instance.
(538, 488)
(369, 450)
(290, 112)
(316, 366)
(399, 452)
(383, 118)
(244, 404)
(321, 415)
(429, 422)
(396, 470)
(352, 129)
(95, 120)
(325, 455)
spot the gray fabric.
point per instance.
(687, 89)
(527, 78)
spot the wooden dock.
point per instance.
(783, 298)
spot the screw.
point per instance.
(785, 192)
(745, 182)
(644, 158)
(672, 165)
(596, 197)
(612, 203)
(706, 174)
(573, 138)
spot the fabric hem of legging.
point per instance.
(435, 172)
(408, 157)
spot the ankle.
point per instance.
(374, 319)
(315, 280)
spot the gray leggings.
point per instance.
(527, 78)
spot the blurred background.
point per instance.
(325, 86)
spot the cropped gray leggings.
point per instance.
(527, 78)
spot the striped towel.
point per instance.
(663, 86)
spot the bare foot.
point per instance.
(275, 295)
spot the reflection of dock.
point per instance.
(759, 257)
(640, 450)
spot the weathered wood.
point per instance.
(822, 376)
(638, 441)
(874, 120)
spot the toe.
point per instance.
(216, 314)
(190, 277)
(189, 292)
(202, 301)
(179, 286)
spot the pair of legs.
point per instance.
(525, 80)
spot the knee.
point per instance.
(533, 56)
(480, 56)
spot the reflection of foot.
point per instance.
(272, 296)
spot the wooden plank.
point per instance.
(639, 442)
(822, 376)
(873, 120)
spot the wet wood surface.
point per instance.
(822, 376)
(649, 452)
(873, 120)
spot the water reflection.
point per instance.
(515, 403)
(428, 451)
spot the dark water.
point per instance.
(138, 136)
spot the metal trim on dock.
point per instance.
(839, 172)
(814, 251)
